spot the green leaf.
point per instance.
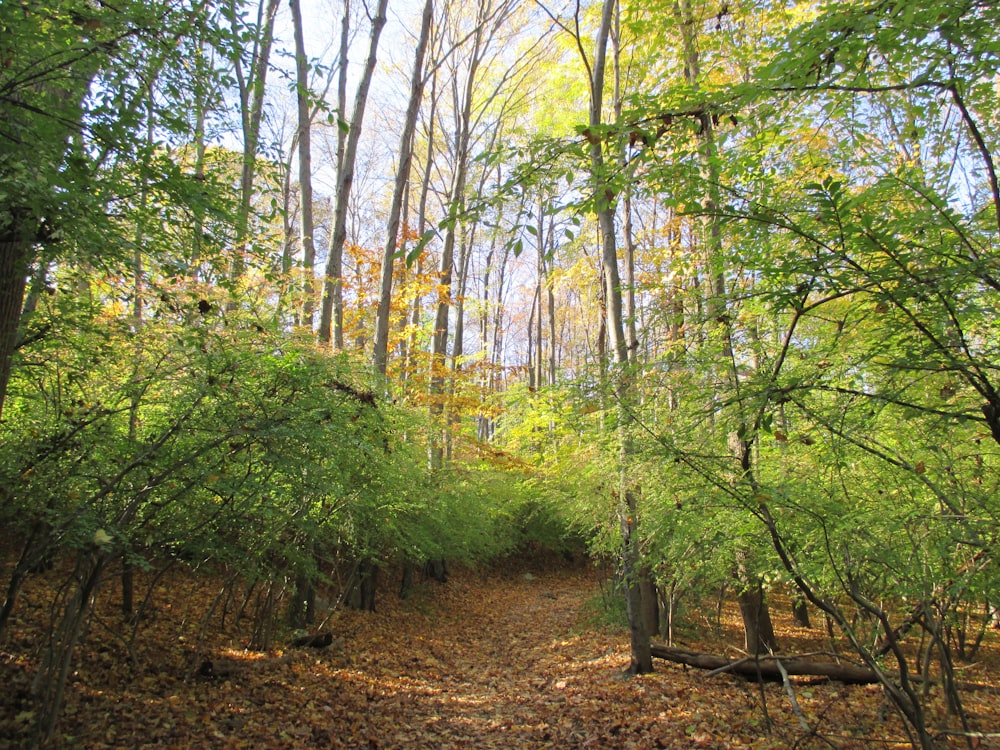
(412, 256)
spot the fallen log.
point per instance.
(316, 640)
(766, 668)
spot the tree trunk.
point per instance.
(753, 605)
(252, 114)
(540, 291)
(49, 684)
(406, 582)
(380, 356)
(456, 194)
(425, 183)
(437, 570)
(302, 607)
(530, 363)
(800, 613)
(362, 593)
(650, 601)
(14, 255)
(630, 311)
(766, 668)
(552, 322)
(304, 134)
(641, 659)
(758, 630)
(331, 321)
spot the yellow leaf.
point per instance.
(101, 537)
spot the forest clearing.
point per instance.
(519, 655)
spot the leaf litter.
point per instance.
(492, 659)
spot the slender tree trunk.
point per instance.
(425, 182)
(135, 400)
(252, 114)
(331, 321)
(642, 660)
(551, 295)
(49, 684)
(439, 349)
(540, 291)
(461, 284)
(201, 111)
(402, 179)
(304, 137)
(530, 363)
(650, 601)
(629, 248)
(439, 341)
(800, 612)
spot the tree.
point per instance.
(331, 322)
(475, 43)
(71, 114)
(604, 198)
(252, 89)
(45, 84)
(303, 133)
(417, 81)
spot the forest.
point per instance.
(335, 319)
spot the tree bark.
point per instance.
(331, 320)
(14, 254)
(252, 114)
(800, 613)
(766, 668)
(381, 349)
(304, 111)
(641, 659)
(758, 630)
(650, 601)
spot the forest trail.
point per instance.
(498, 667)
(493, 659)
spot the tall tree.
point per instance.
(417, 81)
(463, 95)
(331, 322)
(604, 201)
(51, 61)
(304, 137)
(56, 136)
(252, 89)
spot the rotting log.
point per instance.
(766, 668)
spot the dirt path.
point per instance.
(508, 663)
(494, 670)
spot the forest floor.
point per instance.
(505, 658)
